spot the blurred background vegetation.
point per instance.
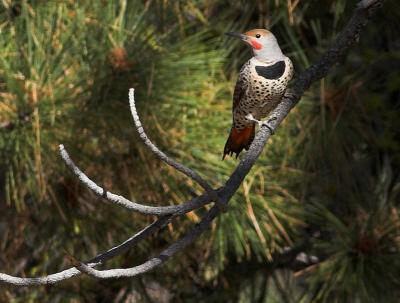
(327, 184)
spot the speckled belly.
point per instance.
(262, 97)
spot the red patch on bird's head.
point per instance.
(256, 45)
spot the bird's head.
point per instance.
(263, 42)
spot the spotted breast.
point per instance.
(262, 86)
(261, 83)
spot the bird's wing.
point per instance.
(240, 87)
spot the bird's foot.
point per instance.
(261, 123)
(289, 95)
(251, 118)
(268, 125)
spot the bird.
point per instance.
(260, 86)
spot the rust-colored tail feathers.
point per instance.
(239, 140)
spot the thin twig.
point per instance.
(185, 207)
(174, 248)
(99, 259)
(168, 160)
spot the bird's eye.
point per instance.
(258, 36)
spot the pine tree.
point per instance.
(317, 219)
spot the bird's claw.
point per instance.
(289, 95)
(262, 123)
(268, 125)
(251, 118)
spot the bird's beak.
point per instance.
(237, 35)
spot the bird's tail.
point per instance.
(239, 140)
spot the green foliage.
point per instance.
(327, 182)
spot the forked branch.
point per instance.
(180, 209)
(346, 39)
(168, 160)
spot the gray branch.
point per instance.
(346, 39)
(188, 206)
(99, 259)
(177, 246)
(168, 160)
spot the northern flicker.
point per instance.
(261, 83)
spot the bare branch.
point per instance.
(339, 47)
(368, 4)
(188, 206)
(171, 162)
(99, 259)
(132, 241)
(174, 248)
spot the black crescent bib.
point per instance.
(272, 72)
